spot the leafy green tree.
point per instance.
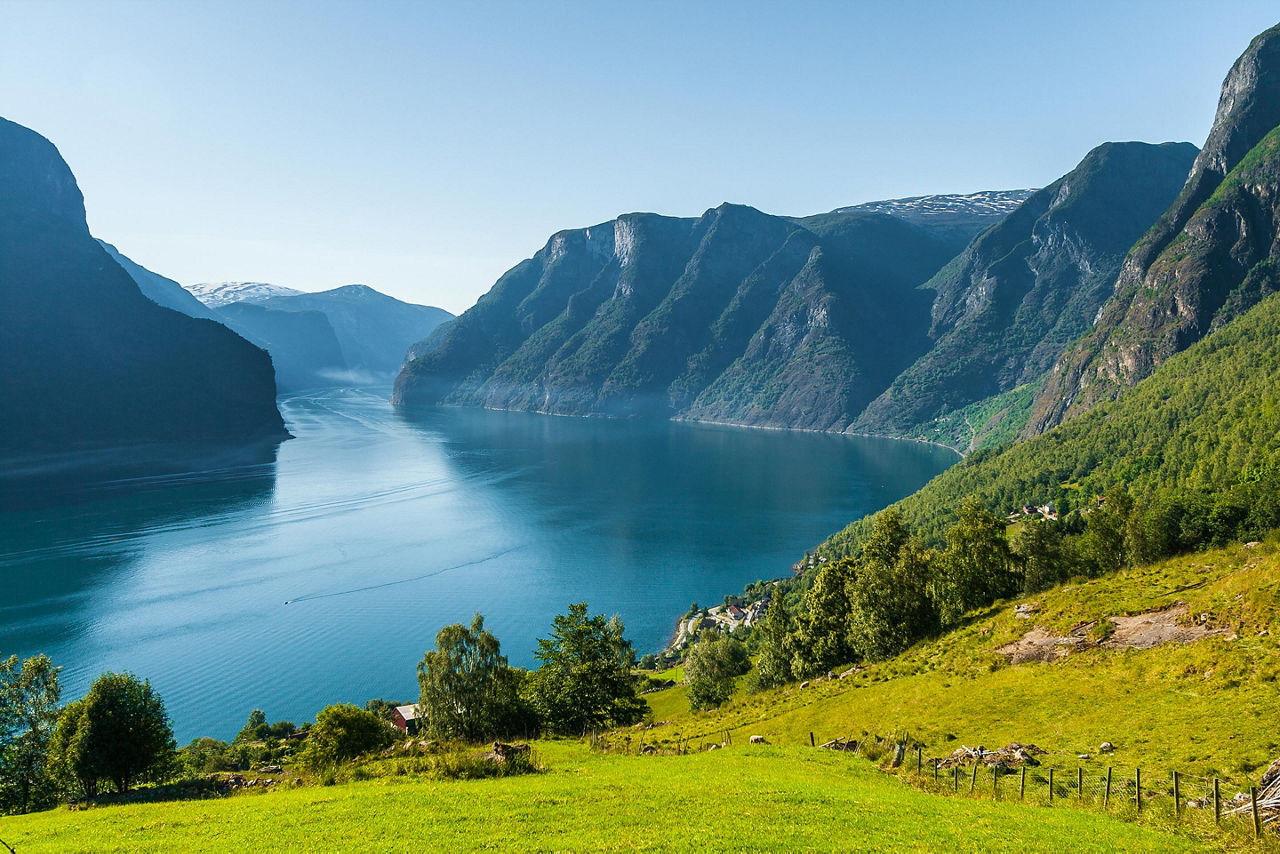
(255, 729)
(977, 566)
(341, 733)
(889, 604)
(775, 643)
(710, 668)
(1103, 545)
(822, 633)
(467, 690)
(119, 733)
(584, 681)
(29, 694)
(1046, 557)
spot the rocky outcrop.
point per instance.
(88, 360)
(1027, 287)
(734, 316)
(1208, 259)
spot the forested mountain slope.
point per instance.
(1206, 421)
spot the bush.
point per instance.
(341, 733)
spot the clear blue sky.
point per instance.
(425, 148)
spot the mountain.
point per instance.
(373, 329)
(158, 289)
(303, 347)
(1028, 286)
(733, 316)
(955, 217)
(88, 360)
(302, 344)
(1210, 257)
(218, 294)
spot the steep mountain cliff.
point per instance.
(1209, 258)
(1027, 287)
(88, 360)
(734, 316)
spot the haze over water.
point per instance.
(322, 577)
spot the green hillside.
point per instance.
(1205, 423)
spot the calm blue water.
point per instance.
(377, 528)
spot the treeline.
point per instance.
(899, 589)
(119, 735)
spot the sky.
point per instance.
(425, 148)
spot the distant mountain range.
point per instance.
(88, 360)
(733, 316)
(851, 320)
(348, 335)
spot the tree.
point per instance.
(467, 689)
(584, 681)
(889, 604)
(119, 733)
(29, 695)
(1045, 556)
(342, 732)
(1103, 544)
(822, 633)
(977, 566)
(773, 665)
(710, 668)
(255, 729)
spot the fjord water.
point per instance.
(324, 575)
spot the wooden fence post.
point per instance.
(1257, 822)
(973, 781)
(935, 771)
(1079, 784)
(955, 778)
(1050, 785)
(995, 782)
(1177, 797)
(1106, 795)
(728, 738)
(1022, 784)
(1217, 803)
(919, 759)
(1137, 786)
(811, 742)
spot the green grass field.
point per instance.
(741, 799)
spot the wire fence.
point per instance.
(1232, 807)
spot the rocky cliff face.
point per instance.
(1204, 262)
(88, 360)
(1009, 305)
(735, 316)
